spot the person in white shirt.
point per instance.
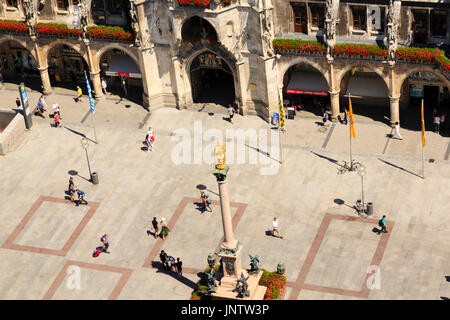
(104, 85)
(397, 134)
(436, 121)
(230, 112)
(276, 227)
(56, 110)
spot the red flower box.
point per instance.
(194, 3)
(275, 283)
(14, 26)
(109, 32)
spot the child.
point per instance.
(80, 94)
(56, 118)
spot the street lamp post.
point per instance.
(92, 175)
(361, 172)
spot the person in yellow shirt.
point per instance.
(80, 94)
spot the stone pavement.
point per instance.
(327, 248)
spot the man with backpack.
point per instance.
(80, 194)
(105, 241)
(205, 199)
(325, 119)
(382, 224)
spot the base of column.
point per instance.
(227, 289)
(164, 100)
(48, 92)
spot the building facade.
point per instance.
(175, 53)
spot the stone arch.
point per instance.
(223, 54)
(288, 64)
(402, 77)
(189, 17)
(99, 53)
(25, 44)
(77, 48)
(341, 73)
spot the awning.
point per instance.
(307, 83)
(123, 66)
(367, 87)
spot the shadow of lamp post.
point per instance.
(93, 175)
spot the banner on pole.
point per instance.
(91, 101)
(281, 113)
(352, 122)
(423, 126)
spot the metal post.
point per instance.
(350, 136)
(362, 193)
(281, 147)
(93, 125)
(423, 164)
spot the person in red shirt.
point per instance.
(56, 118)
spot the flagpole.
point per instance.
(423, 133)
(93, 126)
(350, 136)
(280, 116)
(91, 105)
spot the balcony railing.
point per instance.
(203, 4)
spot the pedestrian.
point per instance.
(164, 228)
(104, 239)
(148, 143)
(382, 224)
(345, 121)
(80, 94)
(397, 134)
(18, 104)
(81, 195)
(325, 118)
(71, 189)
(230, 113)
(436, 122)
(104, 85)
(205, 199)
(276, 227)
(40, 108)
(179, 268)
(56, 119)
(163, 258)
(235, 107)
(442, 120)
(155, 227)
(42, 99)
(56, 109)
(172, 264)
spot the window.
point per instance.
(11, 3)
(420, 25)
(299, 13)
(359, 15)
(439, 23)
(377, 23)
(62, 4)
(317, 14)
(116, 6)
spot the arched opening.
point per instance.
(428, 86)
(66, 67)
(111, 12)
(195, 29)
(369, 93)
(17, 65)
(212, 80)
(121, 74)
(305, 88)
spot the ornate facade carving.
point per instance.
(392, 31)
(84, 13)
(330, 30)
(267, 32)
(29, 7)
(135, 24)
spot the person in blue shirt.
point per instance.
(40, 108)
(80, 196)
(383, 224)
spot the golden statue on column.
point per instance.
(220, 151)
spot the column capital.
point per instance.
(43, 69)
(334, 92)
(394, 98)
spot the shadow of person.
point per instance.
(376, 230)
(200, 207)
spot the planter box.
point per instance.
(12, 134)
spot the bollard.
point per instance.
(369, 208)
(94, 178)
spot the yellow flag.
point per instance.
(281, 113)
(423, 127)
(352, 122)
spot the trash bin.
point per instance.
(94, 178)
(290, 112)
(369, 208)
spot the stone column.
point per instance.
(335, 108)
(229, 242)
(97, 84)
(395, 114)
(179, 83)
(45, 78)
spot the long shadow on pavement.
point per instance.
(183, 280)
(395, 166)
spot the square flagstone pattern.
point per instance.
(51, 226)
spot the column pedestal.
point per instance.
(395, 113)
(45, 78)
(335, 108)
(97, 84)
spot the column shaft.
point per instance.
(228, 241)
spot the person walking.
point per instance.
(56, 109)
(163, 257)
(155, 227)
(276, 228)
(179, 268)
(18, 104)
(56, 119)
(71, 189)
(442, 120)
(81, 195)
(325, 119)
(80, 94)
(40, 108)
(205, 199)
(149, 143)
(230, 112)
(436, 122)
(104, 239)
(345, 121)
(382, 224)
(104, 85)
(164, 228)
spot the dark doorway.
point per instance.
(212, 80)
(196, 28)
